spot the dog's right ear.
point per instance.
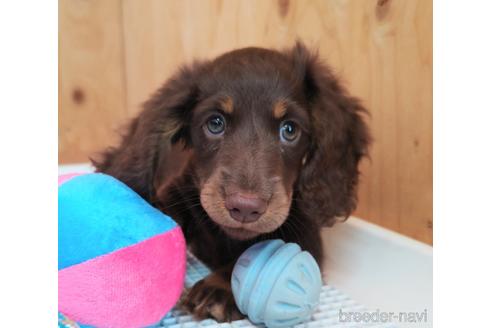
(156, 146)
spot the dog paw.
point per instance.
(212, 298)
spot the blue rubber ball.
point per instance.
(276, 283)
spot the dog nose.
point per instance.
(245, 208)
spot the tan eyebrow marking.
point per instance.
(227, 105)
(279, 109)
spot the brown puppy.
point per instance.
(255, 144)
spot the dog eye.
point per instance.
(288, 131)
(216, 124)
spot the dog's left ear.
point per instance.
(327, 183)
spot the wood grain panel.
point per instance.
(381, 49)
(91, 77)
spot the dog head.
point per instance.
(260, 131)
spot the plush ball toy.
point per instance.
(276, 283)
(121, 262)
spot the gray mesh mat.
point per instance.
(332, 301)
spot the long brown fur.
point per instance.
(165, 157)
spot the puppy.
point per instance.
(253, 145)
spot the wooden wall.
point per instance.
(114, 53)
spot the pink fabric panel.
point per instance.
(65, 177)
(131, 287)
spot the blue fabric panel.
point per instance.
(98, 214)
